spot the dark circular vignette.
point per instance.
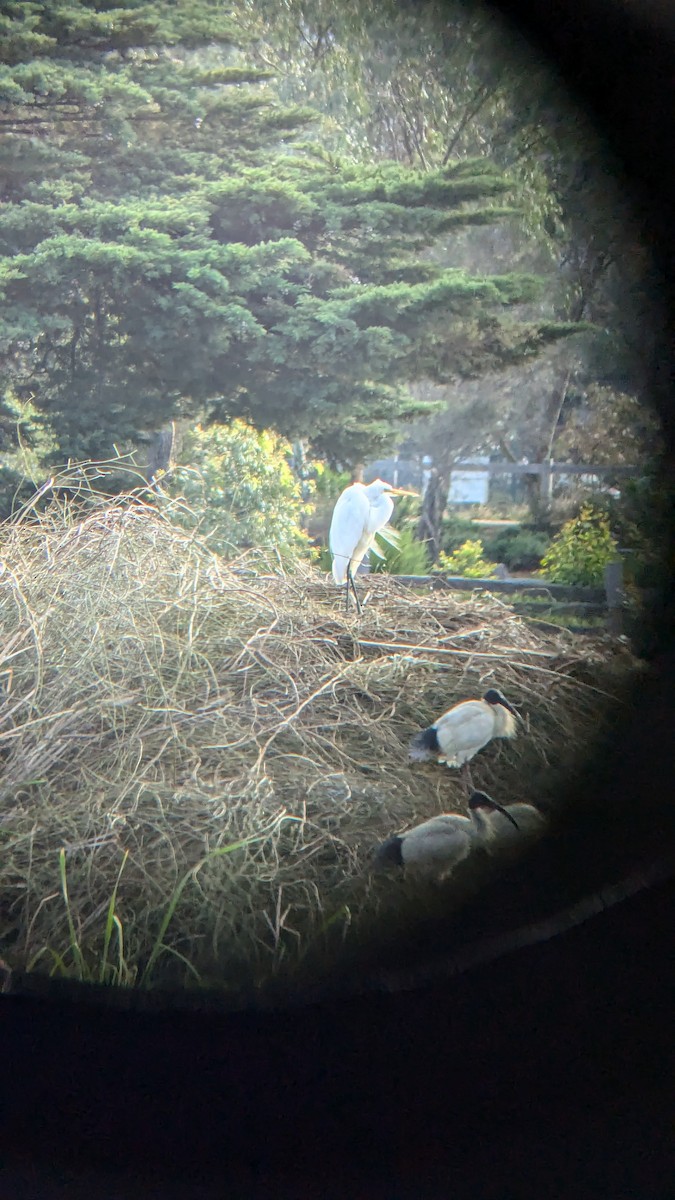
(552, 1067)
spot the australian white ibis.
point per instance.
(442, 842)
(463, 730)
(530, 822)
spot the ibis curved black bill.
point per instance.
(500, 808)
(482, 800)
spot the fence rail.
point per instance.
(534, 587)
(608, 600)
(545, 468)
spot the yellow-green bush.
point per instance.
(240, 490)
(467, 560)
(579, 554)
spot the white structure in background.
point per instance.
(469, 487)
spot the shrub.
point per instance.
(407, 512)
(455, 531)
(329, 483)
(520, 549)
(27, 446)
(408, 557)
(581, 551)
(240, 490)
(467, 560)
(640, 520)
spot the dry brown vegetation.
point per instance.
(198, 757)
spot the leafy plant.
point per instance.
(467, 560)
(240, 490)
(329, 483)
(407, 557)
(27, 442)
(142, 280)
(581, 551)
(455, 531)
(324, 559)
(520, 549)
(640, 521)
(406, 512)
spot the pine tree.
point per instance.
(174, 241)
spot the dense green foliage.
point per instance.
(468, 560)
(455, 531)
(407, 557)
(175, 240)
(579, 554)
(239, 490)
(435, 81)
(519, 549)
(329, 483)
(27, 442)
(406, 512)
(640, 520)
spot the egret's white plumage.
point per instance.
(439, 844)
(462, 731)
(361, 512)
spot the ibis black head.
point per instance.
(493, 696)
(482, 800)
(389, 853)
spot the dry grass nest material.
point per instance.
(199, 756)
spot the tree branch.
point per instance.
(469, 113)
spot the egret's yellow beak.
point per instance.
(396, 491)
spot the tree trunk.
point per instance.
(555, 408)
(538, 487)
(160, 453)
(539, 497)
(531, 483)
(357, 473)
(433, 505)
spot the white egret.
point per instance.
(462, 731)
(439, 844)
(361, 512)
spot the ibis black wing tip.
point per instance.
(424, 744)
(389, 853)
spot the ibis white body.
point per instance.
(462, 731)
(438, 845)
(361, 512)
(530, 821)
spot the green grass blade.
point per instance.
(59, 963)
(186, 962)
(111, 920)
(341, 914)
(32, 963)
(74, 944)
(159, 946)
(122, 977)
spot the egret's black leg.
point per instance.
(350, 580)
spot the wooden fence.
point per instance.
(607, 601)
(546, 470)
